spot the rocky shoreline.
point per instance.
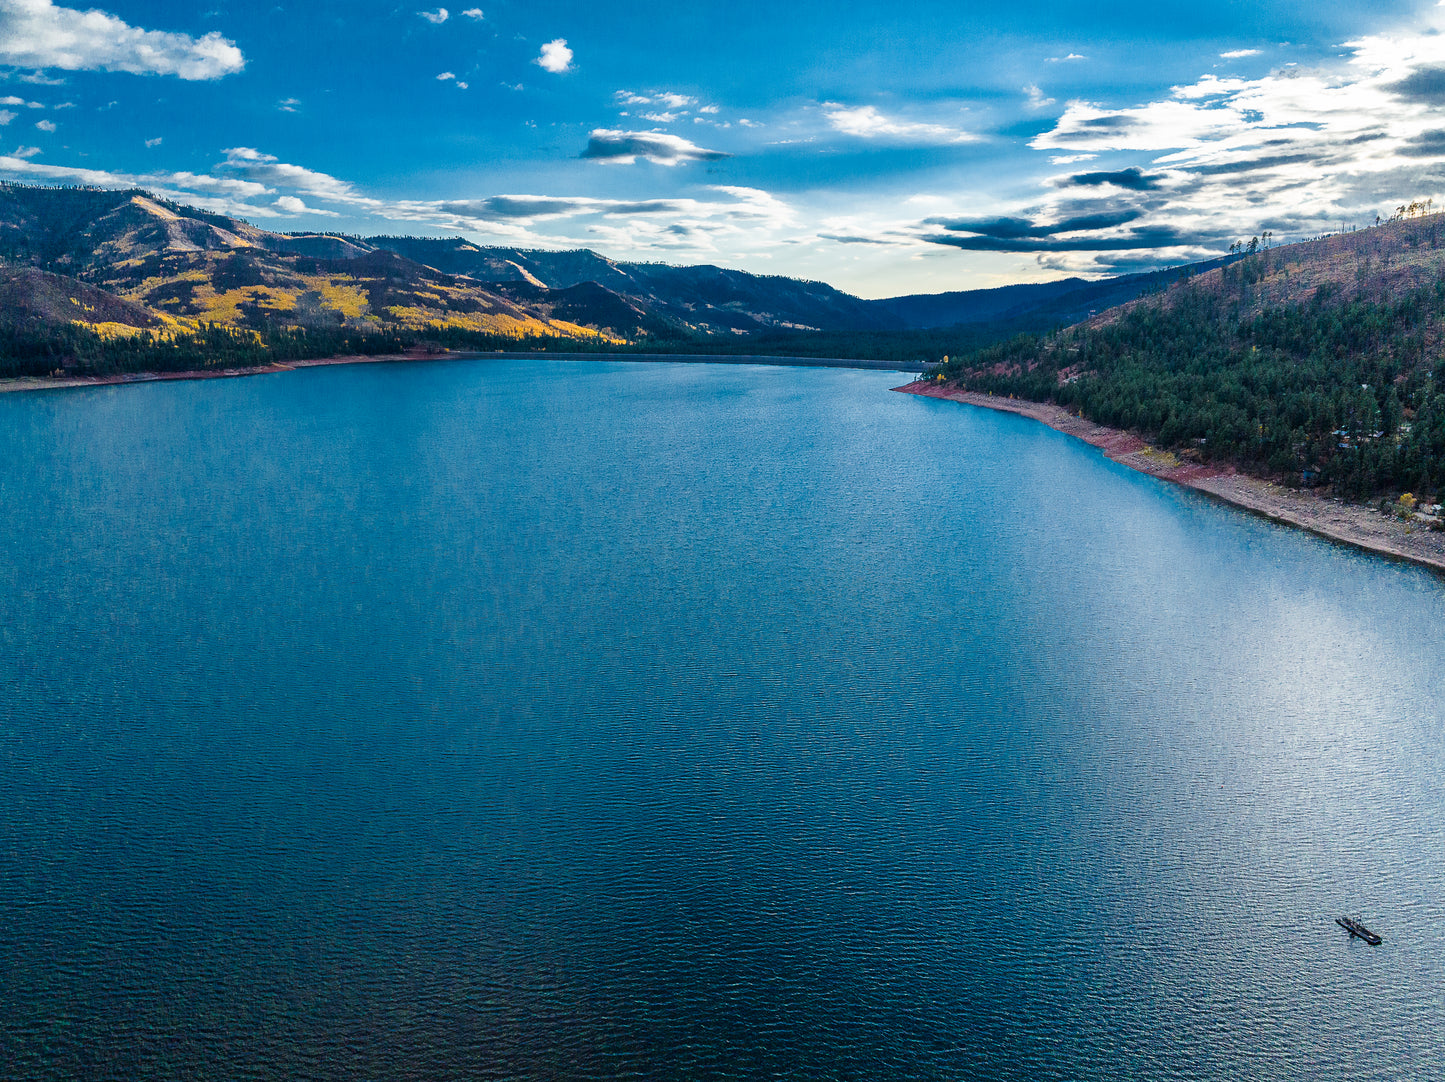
(1351, 524)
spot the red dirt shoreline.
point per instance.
(1351, 524)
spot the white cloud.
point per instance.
(37, 34)
(289, 204)
(154, 142)
(1238, 54)
(265, 169)
(673, 105)
(1064, 59)
(1036, 98)
(462, 85)
(6, 116)
(444, 76)
(224, 194)
(45, 125)
(742, 223)
(232, 187)
(13, 100)
(555, 57)
(625, 147)
(32, 78)
(473, 13)
(1297, 151)
(437, 17)
(1208, 86)
(288, 105)
(866, 122)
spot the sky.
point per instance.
(884, 147)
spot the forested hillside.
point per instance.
(1318, 363)
(108, 281)
(101, 282)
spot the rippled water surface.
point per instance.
(530, 720)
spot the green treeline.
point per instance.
(39, 349)
(904, 347)
(1351, 388)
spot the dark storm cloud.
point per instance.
(847, 239)
(1018, 228)
(1430, 144)
(1142, 239)
(1425, 85)
(1087, 130)
(506, 207)
(1251, 165)
(1133, 178)
(624, 146)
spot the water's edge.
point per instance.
(45, 383)
(1348, 524)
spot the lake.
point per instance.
(534, 719)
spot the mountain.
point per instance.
(35, 297)
(1311, 363)
(1047, 303)
(187, 268)
(127, 264)
(697, 299)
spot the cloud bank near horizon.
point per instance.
(994, 182)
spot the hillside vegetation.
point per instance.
(1316, 363)
(101, 279)
(105, 281)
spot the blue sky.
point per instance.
(884, 147)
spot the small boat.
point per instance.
(1355, 928)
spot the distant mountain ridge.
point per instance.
(128, 262)
(189, 268)
(707, 298)
(1066, 301)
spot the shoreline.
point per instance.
(53, 383)
(1350, 524)
(721, 358)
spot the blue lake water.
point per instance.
(506, 719)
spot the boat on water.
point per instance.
(1355, 928)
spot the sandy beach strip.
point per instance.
(1352, 524)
